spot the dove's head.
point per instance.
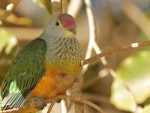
(61, 25)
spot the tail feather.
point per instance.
(12, 101)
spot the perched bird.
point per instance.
(46, 66)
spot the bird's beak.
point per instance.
(71, 29)
(70, 32)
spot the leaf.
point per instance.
(45, 4)
(7, 41)
(135, 72)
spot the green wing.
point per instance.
(23, 75)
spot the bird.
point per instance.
(45, 67)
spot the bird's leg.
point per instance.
(37, 102)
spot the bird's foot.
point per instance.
(38, 103)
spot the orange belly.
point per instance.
(45, 85)
(52, 84)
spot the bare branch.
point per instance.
(51, 106)
(76, 92)
(115, 50)
(92, 36)
(81, 100)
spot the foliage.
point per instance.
(7, 41)
(134, 71)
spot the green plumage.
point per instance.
(24, 73)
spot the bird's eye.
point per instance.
(57, 23)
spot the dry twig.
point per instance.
(80, 100)
(115, 51)
(51, 106)
(76, 92)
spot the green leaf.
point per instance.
(44, 4)
(7, 41)
(135, 72)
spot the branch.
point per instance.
(92, 37)
(76, 92)
(76, 99)
(114, 51)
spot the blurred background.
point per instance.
(118, 23)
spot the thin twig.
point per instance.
(92, 36)
(97, 98)
(89, 48)
(51, 106)
(115, 50)
(76, 92)
(92, 28)
(81, 100)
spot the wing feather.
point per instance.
(24, 73)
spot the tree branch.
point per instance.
(114, 51)
(81, 100)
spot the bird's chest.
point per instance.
(63, 59)
(59, 75)
(62, 66)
